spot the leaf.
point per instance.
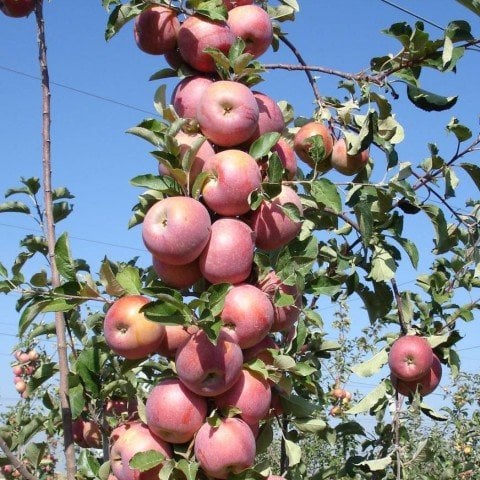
(326, 194)
(77, 399)
(163, 73)
(310, 425)
(61, 210)
(383, 265)
(63, 258)
(167, 310)
(363, 212)
(473, 171)
(129, 279)
(443, 240)
(433, 414)
(43, 373)
(429, 101)
(473, 5)
(189, 469)
(28, 315)
(370, 400)
(298, 406)
(263, 145)
(28, 431)
(377, 464)
(14, 207)
(118, 18)
(293, 451)
(410, 248)
(109, 281)
(372, 365)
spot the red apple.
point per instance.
(302, 143)
(17, 8)
(24, 358)
(21, 386)
(287, 157)
(17, 370)
(128, 332)
(236, 3)
(227, 113)
(236, 175)
(345, 163)
(17, 379)
(260, 351)
(410, 357)
(254, 26)
(228, 256)
(187, 93)
(198, 33)
(175, 336)
(270, 118)
(226, 449)
(176, 230)
(273, 228)
(209, 369)
(173, 412)
(251, 394)
(177, 276)
(156, 30)
(122, 407)
(129, 439)
(248, 314)
(86, 434)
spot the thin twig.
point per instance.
(15, 461)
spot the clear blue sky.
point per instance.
(95, 159)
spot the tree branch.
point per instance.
(15, 461)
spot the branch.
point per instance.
(15, 461)
(398, 300)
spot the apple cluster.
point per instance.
(414, 367)
(25, 366)
(46, 468)
(17, 8)
(340, 398)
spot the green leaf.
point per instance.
(474, 172)
(433, 414)
(43, 373)
(167, 310)
(104, 470)
(119, 17)
(473, 5)
(310, 425)
(363, 212)
(293, 451)
(189, 469)
(77, 399)
(129, 279)
(410, 248)
(14, 207)
(372, 365)
(429, 101)
(298, 406)
(370, 400)
(29, 314)
(326, 194)
(263, 145)
(377, 464)
(383, 265)
(28, 431)
(443, 240)
(63, 258)
(163, 73)
(109, 280)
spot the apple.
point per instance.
(177, 276)
(156, 30)
(187, 93)
(227, 113)
(302, 143)
(198, 33)
(345, 163)
(236, 3)
(272, 226)
(235, 176)
(17, 370)
(20, 386)
(260, 351)
(209, 369)
(127, 440)
(270, 117)
(248, 314)
(17, 8)
(30, 370)
(275, 477)
(128, 332)
(228, 256)
(86, 434)
(226, 449)
(410, 357)
(287, 156)
(121, 407)
(24, 358)
(176, 230)
(173, 412)
(251, 393)
(17, 379)
(33, 355)
(335, 410)
(175, 336)
(254, 26)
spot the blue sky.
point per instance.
(95, 159)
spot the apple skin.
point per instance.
(236, 3)
(229, 448)
(198, 33)
(287, 157)
(207, 369)
(426, 384)
(176, 230)
(17, 370)
(175, 337)
(156, 29)
(227, 113)
(177, 276)
(254, 26)
(20, 386)
(24, 358)
(237, 175)
(248, 314)
(121, 407)
(173, 412)
(187, 93)
(270, 118)
(260, 351)
(251, 393)
(302, 142)
(17, 379)
(17, 8)
(410, 357)
(348, 164)
(86, 434)
(127, 440)
(273, 228)
(128, 332)
(228, 256)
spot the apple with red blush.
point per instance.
(187, 94)
(303, 143)
(345, 163)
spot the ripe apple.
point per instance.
(187, 93)
(121, 407)
(260, 351)
(226, 449)
(236, 3)
(236, 175)
(273, 228)
(33, 355)
(287, 156)
(177, 276)
(128, 332)
(176, 230)
(251, 393)
(410, 357)
(270, 118)
(227, 113)
(20, 386)
(17, 370)
(175, 336)
(345, 163)
(127, 440)
(228, 256)
(302, 143)
(335, 410)
(254, 26)
(248, 314)
(173, 412)
(198, 33)
(86, 434)
(209, 369)
(24, 358)
(156, 30)
(17, 8)
(17, 379)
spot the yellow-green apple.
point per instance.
(129, 439)
(176, 230)
(226, 449)
(156, 30)
(173, 412)
(175, 336)
(251, 394)
(209, 369)
(17, 8)
(410, 357)
(287, 156)
(236, 3)
(261, 351)
(345, 163)
(128, 332)
(234, 176)
(187, 93)
(302, 144)
(227, 113)
(272, 226)
(248, 314)
(198, 33)
(177, 276)
(228, 256)
(254, 26)
(270, 117)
